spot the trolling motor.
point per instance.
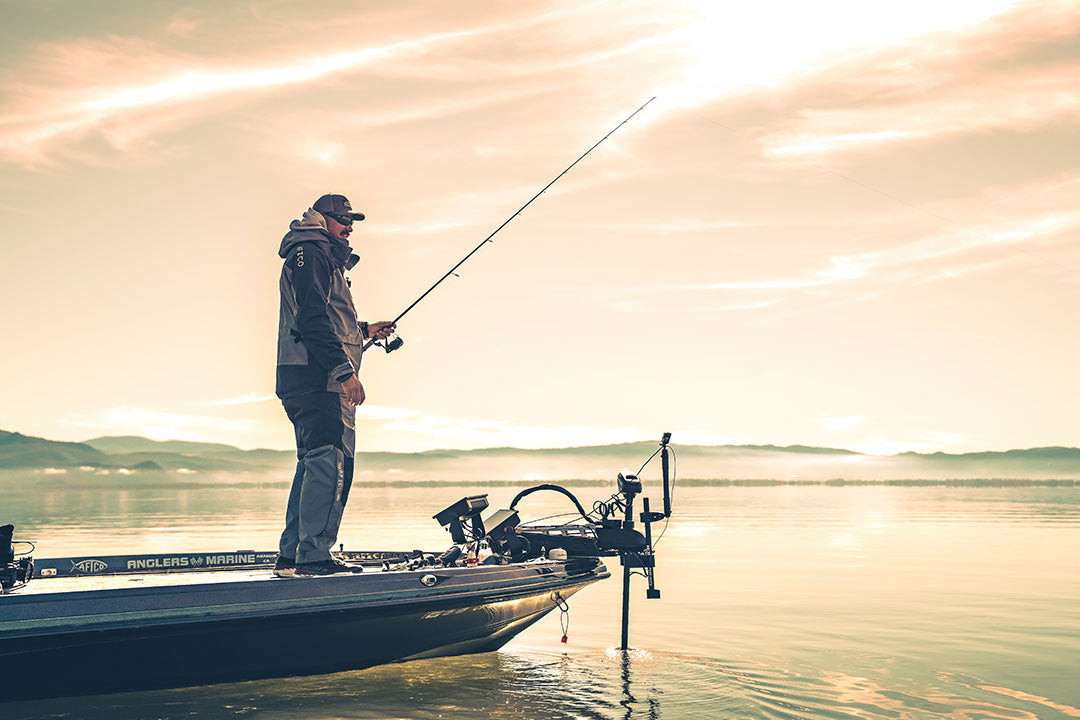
(15, 572)
(609, 530)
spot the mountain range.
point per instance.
(138, 456)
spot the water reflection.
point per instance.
(779, 602)
(597, 686)
(611, 685)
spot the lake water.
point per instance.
(778, 602)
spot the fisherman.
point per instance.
(320, 342)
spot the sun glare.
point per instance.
(748, 44)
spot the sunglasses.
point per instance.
(341, 219)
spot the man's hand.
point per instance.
(380, 330)
(354, 391)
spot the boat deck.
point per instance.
(87, 583)
(121, 572)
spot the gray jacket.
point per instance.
(319, 338)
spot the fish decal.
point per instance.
(90, 565)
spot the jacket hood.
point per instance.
(312, 228)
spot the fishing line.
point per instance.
(638, 473)
(393, 344)
(909, 204)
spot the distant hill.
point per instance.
(194, 460)
(1043, 454)
(135, 444)
(22, 451)
(134, 453)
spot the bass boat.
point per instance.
(101, 624)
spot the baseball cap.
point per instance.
(336, 205)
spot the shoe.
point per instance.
(284, 567)
(325, 567)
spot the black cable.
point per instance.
(650, 459)
(555, 488)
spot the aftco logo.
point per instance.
(300, 257)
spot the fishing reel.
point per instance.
(390, 344)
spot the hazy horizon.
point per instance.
(526, 448)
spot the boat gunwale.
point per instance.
(498, 590)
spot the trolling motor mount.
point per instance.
(609, 530)
(599, 533)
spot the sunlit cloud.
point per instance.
(843, 268)
(640, 306)
(22, 131)
(462, 433)
(727, 49)
(424, 228)
(932, 88)
(807, 144)
(674, 226)
(160, 425)
(706, 50)
(934, 247)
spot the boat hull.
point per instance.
(109, 640)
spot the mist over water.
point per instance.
(789, 601)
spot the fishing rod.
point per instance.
(393, 342)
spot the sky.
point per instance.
(840, 223)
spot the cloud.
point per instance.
(690, 49)
(931, 248)
(161, 425)
(1000, 76)
(673, 226)
(638, 306)
(71, 111)
(459, 432)
(843, 269)
(70, 87)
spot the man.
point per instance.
(319, 346)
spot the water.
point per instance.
(778, 602)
